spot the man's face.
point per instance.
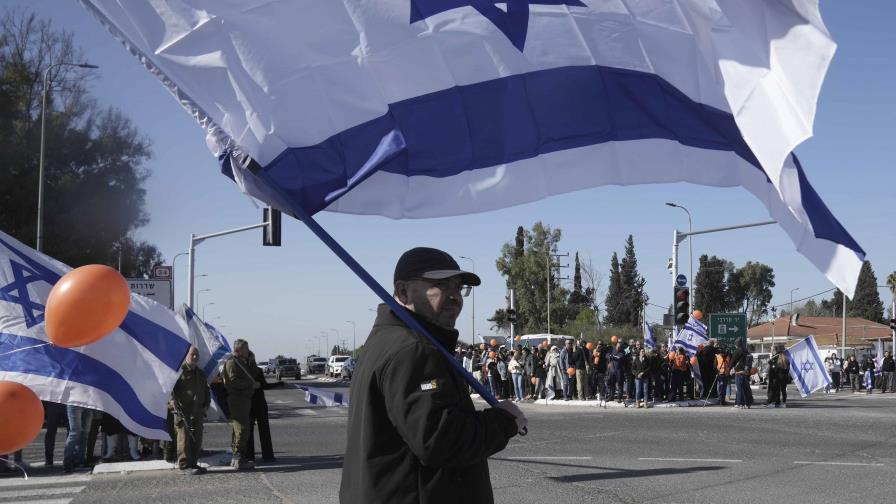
(439, 301)
(568, 345)
(243, 352)
(193, 357)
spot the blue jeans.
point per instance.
(76, 443)
(518, 385)
(494, 385)
(641, 387)
(740, 381)
(564, 379)
(722, 387)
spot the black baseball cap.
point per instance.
(432, 264)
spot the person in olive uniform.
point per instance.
(414, 435)
(189, 404)
(240, 385)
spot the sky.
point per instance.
(298, 298)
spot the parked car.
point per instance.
(348, 368)
(286, 367)
(265, 368)
(334, 365)
(318, 365)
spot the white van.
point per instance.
(334, 365)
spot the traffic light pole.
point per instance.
(678, 237)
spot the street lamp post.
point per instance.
(206, 305)
(354, 337)
(690, 253)
(43, 149)
(473, 301)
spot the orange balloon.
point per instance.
(492, 354)
(753, 371)
(482, 346)
(698, 314)
(518, 337)
(21, 415)
(534, 380)
(494, 342)
(614, 339)
(589, 345)
(571, 371)
(85, 305)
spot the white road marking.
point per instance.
(307, 412)
(732, 461)
(50, 501)
(36, 492)
(548, 458)
(50, 480)
(838, 463)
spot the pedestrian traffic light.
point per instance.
(511, 315)
(271, 236)
(682, 306)
(893, 324)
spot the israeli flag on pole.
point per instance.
(691, 336)
(213, 347)
(128, 374)
(649, 341)
(807, 366)
(426, 108)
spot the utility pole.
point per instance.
(512, 307)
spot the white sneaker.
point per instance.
(783, 405)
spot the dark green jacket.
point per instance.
(191, 391)
(414, 435)
(237, 376)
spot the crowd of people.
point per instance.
(627, 373)
(239, 390)
(861, 377)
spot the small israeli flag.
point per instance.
(324, 397)
(806, 367)
(649, 341)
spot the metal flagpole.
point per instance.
(399, 310)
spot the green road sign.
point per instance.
(726, 328)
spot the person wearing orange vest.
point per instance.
(680, 366)
(723, 367)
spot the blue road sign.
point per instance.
(681, 280)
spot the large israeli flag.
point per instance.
(649, 340)
(428, 108)
(807, 367)
(129, 373)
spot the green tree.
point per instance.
(137, 258)
(711, 285)
(613, 313)
(633, 295)
(527, 274)
(578, 300)
(866, 303)
(94, 172)
(750, 289)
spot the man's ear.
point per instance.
(401, 292)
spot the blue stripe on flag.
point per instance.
(505, 120)
(66, 364)
(214, 360)
(519, 117)
(337, 397)
(167, 346)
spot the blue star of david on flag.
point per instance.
(513, 23)
(22, 276)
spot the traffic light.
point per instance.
(682, 306)
(893, 324)
(271, 237)
(511, 315)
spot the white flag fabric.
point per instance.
(429, 108)
(128, 374)
(807, 367)
(324, 397)
(212, 345)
